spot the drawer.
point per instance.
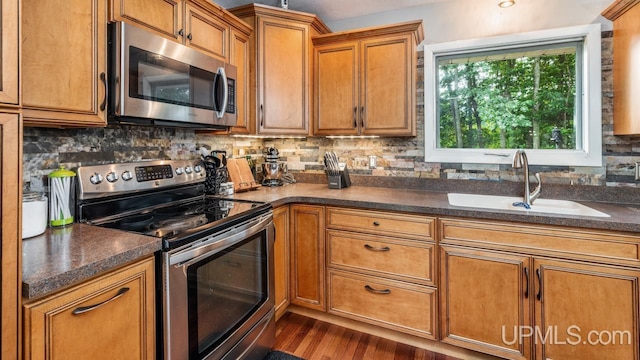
(572, 243)
(389, 257)
(382, 223)
(392, 304)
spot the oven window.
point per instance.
(158, 78)
(223, 291)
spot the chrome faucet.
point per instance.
(520, 161)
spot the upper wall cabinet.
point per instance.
(199, 24)
(64, 62)
(365, 81)
(9, 48)
(280, 68)
(626, 73)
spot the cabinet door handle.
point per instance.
(261, 116)
(362, 116)
(181, 32)
(373, 248)
(189, 36)
(355, 116)
(375, 291)
(375, 223)
(526, 289)
(539, 295)
(103, 78)
(84, 309)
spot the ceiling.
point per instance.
(333, 10)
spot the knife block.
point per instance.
(339, 181)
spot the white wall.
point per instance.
(467, 19)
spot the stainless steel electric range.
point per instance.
(215, 283)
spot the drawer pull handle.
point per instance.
(375, 291)
(373, 248)
(375, 223)
(84, 309)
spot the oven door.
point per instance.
(220, 291)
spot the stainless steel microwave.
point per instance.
(156, 81)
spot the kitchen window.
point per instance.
(539, 91)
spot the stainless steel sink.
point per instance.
(549, 206)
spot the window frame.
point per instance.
(591, 101)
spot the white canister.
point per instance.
(34, 214)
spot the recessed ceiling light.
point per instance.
(506, 3)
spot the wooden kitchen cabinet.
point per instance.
(308, 256)
(281, 259)
(110, 317)
(199, 24)
(10, 231)
(626, 74)
(9, 45)
(280, 68)
(498, 280)
(365, 81)
(381, 269)
(484, 293)
(591, 309)
(64, 63)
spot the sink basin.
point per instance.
(550, 206)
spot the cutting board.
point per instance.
(241, 175)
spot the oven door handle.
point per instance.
(217, 243)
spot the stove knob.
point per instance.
(95, 179)
(188, 169)
(197, 168)
(126, 175)
(179, 171)
(112, 177)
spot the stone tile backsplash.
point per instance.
(47, 149)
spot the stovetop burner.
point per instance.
(161, 200)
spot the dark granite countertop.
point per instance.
(66, 256)
(624, 217)
(62, 257)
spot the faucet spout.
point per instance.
(520, 162)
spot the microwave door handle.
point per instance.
(225, 89)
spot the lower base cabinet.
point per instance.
(110, 317)
(512, 306)
(281, 259)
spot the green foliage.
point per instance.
(499, 106)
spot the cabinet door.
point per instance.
(10, 233)
(64, 62)
(626, 91)
(281, 259)
(163, 17)
(307, 256)
(586, 311)
(387, 83)
(9, 48)
(336, 110)
(111, 317)
(206, 33)
(283, 77)
(484, 297)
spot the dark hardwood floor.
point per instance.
(312, 339)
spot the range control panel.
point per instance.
(111, 179)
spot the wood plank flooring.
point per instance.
(312, 339)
